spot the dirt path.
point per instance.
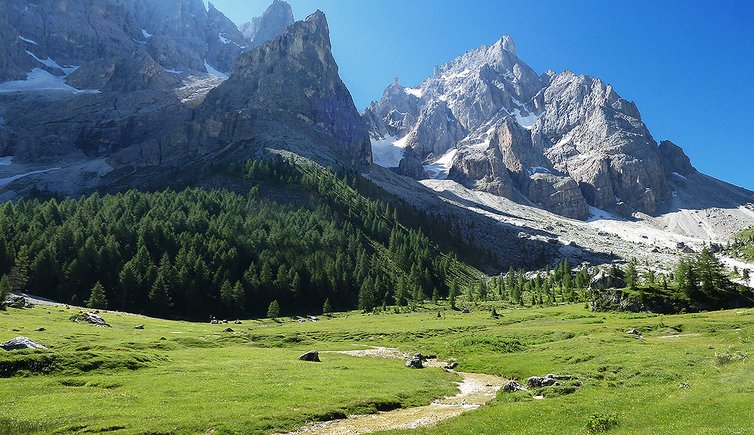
(474, 391)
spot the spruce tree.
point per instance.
(632, 275)
(20, 272)
(326, 308)
(273, 311)
(98, 298)
(5, 289)
(452, 294)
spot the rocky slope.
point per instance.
(127, 109)
(562, 141)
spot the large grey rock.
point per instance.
(512, 387)
(19, 302)
(273, 22)
(91, 318)
(20, 343)
(416, 362)
(558, 194)
(538, 382)
(311, 356)
(608, 279)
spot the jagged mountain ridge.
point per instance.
(284, 95)
(560, 141)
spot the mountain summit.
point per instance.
(562, 141)
(272, 23)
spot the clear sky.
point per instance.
(689, 65)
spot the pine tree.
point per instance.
(326, 308)
(20, 272)
(367, 299)
(632, 275)
(711, 273)
(452, 294)
(98, 298)
(273, 311)
(5, 289)
(435, 296)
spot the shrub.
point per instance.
(599, 423)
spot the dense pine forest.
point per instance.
(198, 252)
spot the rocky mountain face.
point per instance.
(561, 141)
(131, 105)
(180, 35)
(291, 82)
(270, 25)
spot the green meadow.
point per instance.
(682, 374)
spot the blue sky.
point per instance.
(689, 65)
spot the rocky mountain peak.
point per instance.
(506, 43)
(563, 141)
(292, 80)
(272, 23)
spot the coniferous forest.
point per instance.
(196, 253)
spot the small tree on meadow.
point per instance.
(326, 308)
(273, 312)
(98, 298)
(5, 289)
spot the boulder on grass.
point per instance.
(20, 343)
(451, 366)
(17, 302)
(228, 330)
(537, 382)
(512, 387)
(632, 332)
(416, 362)
(311, 356)
(139, 327)
(92, 318)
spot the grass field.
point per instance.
(684, 374)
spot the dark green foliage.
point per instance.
(196, 253)
(326, 307)
(98, 298)
(5, 289)
(19, 274)
(273, 311)
(600, 423)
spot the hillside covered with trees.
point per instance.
(198, 252)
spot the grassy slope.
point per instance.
(198, 379)
(238, 385)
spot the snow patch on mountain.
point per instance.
(67, 70)
(388, 152)
(418, 93)
(41, 80)
(30, 41)
(440, 169)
